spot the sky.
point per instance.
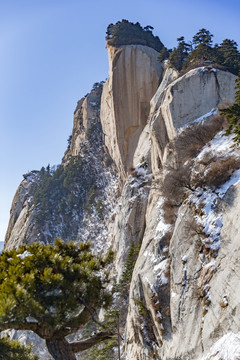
(53, 51)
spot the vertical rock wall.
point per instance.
(134, 76)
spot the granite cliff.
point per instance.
(147, 168)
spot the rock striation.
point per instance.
(134, 76)
(187, 99)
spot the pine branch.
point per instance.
(91, 341)
(19, 326)
(75, 323)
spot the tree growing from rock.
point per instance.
(229, 55)
(232, 114)
(127, 33)
(53, 290)
(179, 55)
(201, 51)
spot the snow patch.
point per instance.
(220, 145)
(24, 255)
(226, 348)
(198, 120)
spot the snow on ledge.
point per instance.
(198, 120)
(226, 348)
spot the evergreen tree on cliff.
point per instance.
(232, 114)
(203, 50)
(179, 55)
(53, 290)
(229, 56)
(127, 33)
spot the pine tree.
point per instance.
(203, 36)
(179, 55)
(203, 50)
(232, 114)
(126, 33)
(229, 56)
(52, 290)
(164, 54)
(12, 350)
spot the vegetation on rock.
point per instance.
(12, 350)
(53, 290)
(124, 283)
(61, 194)
(200, 50)
(232, 114)
(127, 33)
(108, 348)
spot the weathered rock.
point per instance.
(144, 146)
(169, 76)
(179, 328)
(86, 115)
(145, 332)
(129, 223)
(184, 100)
(134, 76)
(77, 214)
(21, 218)
(183, 299)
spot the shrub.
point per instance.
(179, 180)
(193, 138)
(232, 114)
(175, 184)
(219, 171)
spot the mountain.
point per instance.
(148, 173)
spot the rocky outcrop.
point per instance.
(129, 225)
(21, 221)
(86, 181)
(198, 318)
(134, 76)
(189, 98)
(143, 150)
(86, 116)
(181, 299)
(185, 275)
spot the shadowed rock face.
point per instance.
(134, 76)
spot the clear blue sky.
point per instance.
(52, 51)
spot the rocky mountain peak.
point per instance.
(149, 174)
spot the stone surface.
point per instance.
(86, 145)
(129, 225)
(184, 100)
(183, 297)
(134, 76)
(21, 221)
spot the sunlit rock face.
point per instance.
(181, 301)
(134, 76)
(194, 95)
(71, 200)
